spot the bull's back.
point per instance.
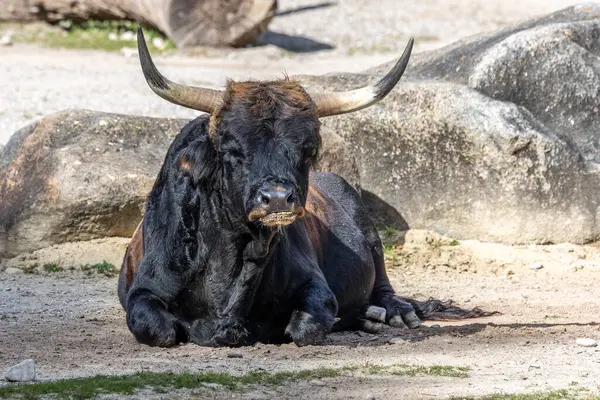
(131, 260)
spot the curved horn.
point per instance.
(329, 104)
(196, 98)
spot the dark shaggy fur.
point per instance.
(199, 270)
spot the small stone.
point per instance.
(536, 266)
(234, 355)
(127, 36)
(586, 342)
(128, 51)
(396, 340)
(317, 382)
(13, 271)
(159, 43)
(22, 372)
(436, 326)
(211, 385)
(6, 40)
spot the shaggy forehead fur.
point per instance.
(265, 100)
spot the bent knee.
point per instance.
(151, 323)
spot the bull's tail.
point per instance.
(433, 309)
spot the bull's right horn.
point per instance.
(201, 99)
(329, 104)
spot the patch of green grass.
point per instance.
(52, 267)
(552, 395)
(104, 268)
(99, 35)
(85, 388)
(454, 242)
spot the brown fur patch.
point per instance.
(315, 220)
(265, 100)
(133, 255)
(184, 163)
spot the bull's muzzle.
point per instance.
(276, 205)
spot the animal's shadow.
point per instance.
(356, 339)
(382, 213)
(295, 44)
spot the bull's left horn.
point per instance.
(329, 104)
(196, 98)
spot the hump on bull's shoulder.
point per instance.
(327, 104)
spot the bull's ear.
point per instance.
(197, 160)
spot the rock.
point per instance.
(397, 340)
(80, 187)
(316, 382)
(127, 36)
(128, 52)
(113, 36)
(21, 372)
(13, 271)
(436, 326)
(425, 237)
(585, 342)
(211, 385)
(495, 138)
(536, 266)
(91, 176)
(235, 355)
(6, 40)
(159, 43)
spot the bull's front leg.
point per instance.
(231, 330)
(230, 327)
(148, 316)
(313, 317)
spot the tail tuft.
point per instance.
(433, 309)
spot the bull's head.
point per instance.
(267, 133)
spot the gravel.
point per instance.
(357, 34)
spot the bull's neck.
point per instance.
(228, 228)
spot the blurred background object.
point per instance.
(187, 22)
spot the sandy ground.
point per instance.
(73, 325)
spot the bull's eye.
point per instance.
(311, 152)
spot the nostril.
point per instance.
(263, 197)
(291, 198)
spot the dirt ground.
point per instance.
(72, 325)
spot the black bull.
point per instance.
(242, 243)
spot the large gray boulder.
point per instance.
(80, 175)
(496, 137)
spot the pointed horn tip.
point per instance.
(140, 34)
